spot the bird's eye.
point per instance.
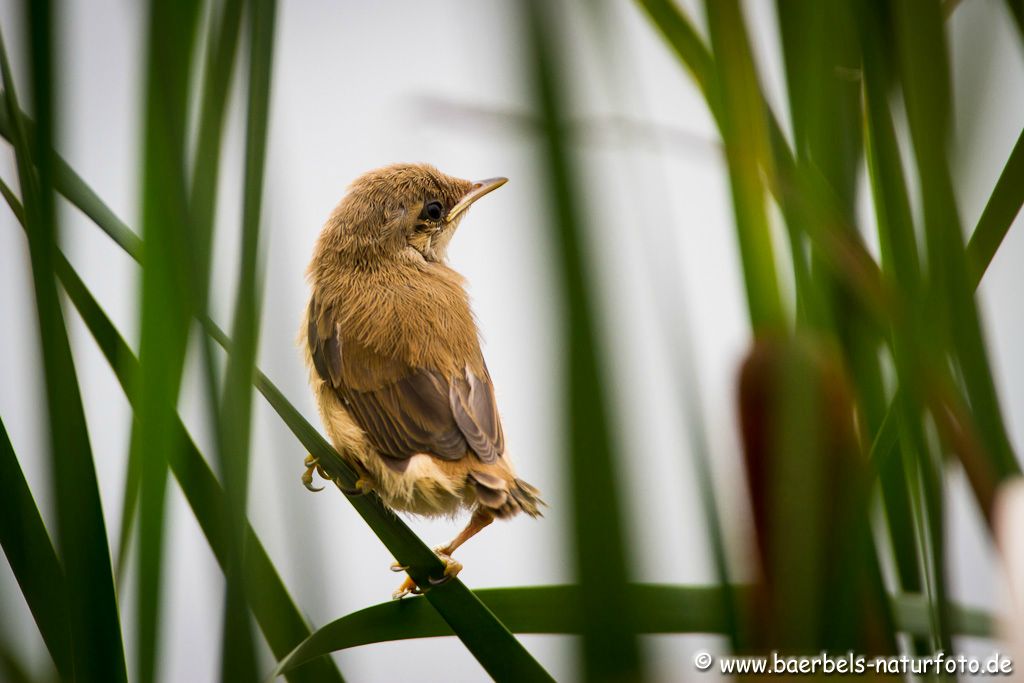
(433, 211)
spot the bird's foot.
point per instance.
(362, 487)
(408, 587)
(312, 464)
(452, 567)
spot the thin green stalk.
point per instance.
(952, 307)
(668, 292)
(610, 648)
(32, 559)
(746, 146)
(1000, 211)
(801, 192)
(549, 609)
(221, 49)
(167, 284)
(238, 661)
(97, 652)
(900, 264)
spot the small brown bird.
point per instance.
(395, 358)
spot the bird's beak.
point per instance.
(479, 189)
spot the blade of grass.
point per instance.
(684, 40)
(504, 658)
(901, 264)
(794, 191)
(548, 609)
(277, 615)
(803, 193)
(13, 670)
(167, 286)
(925, 79)
(70, 184)
(1000, 211)
(746, 145)
(912, 526)
(97, 650)
(926, 88)
(222, 42)
(33, 560)
(824, 95)
(222, 46)
(280, 620)
(952, 316)
(668, 291)
(610, 648)
(821, 63)
(238, 661)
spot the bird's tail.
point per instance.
(505, 497)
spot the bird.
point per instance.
(394, 356)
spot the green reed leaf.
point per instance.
(611, 651)
(549, 610)
(97, 651)
(33, 560)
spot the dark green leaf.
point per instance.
(744, 132)
(1002, 208)
(167, 296)
(610, 648)
(97, 650)
(549, 609)
(33, 560)
(238, 661)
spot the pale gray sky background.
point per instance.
(358, 85)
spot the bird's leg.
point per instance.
(480, 519)
(311, 464)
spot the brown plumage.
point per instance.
(394, 353)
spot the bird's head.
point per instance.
(402, 212)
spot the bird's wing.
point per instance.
(406, 410)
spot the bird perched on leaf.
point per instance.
(395, 358)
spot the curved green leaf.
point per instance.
(33, 561)
(549, 609)
(97, 649)
(1000, 211)
(238, 661)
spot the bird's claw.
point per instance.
(452, 567)
(307, 476)
(408, 587)
(445, 578)
(362, 487)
